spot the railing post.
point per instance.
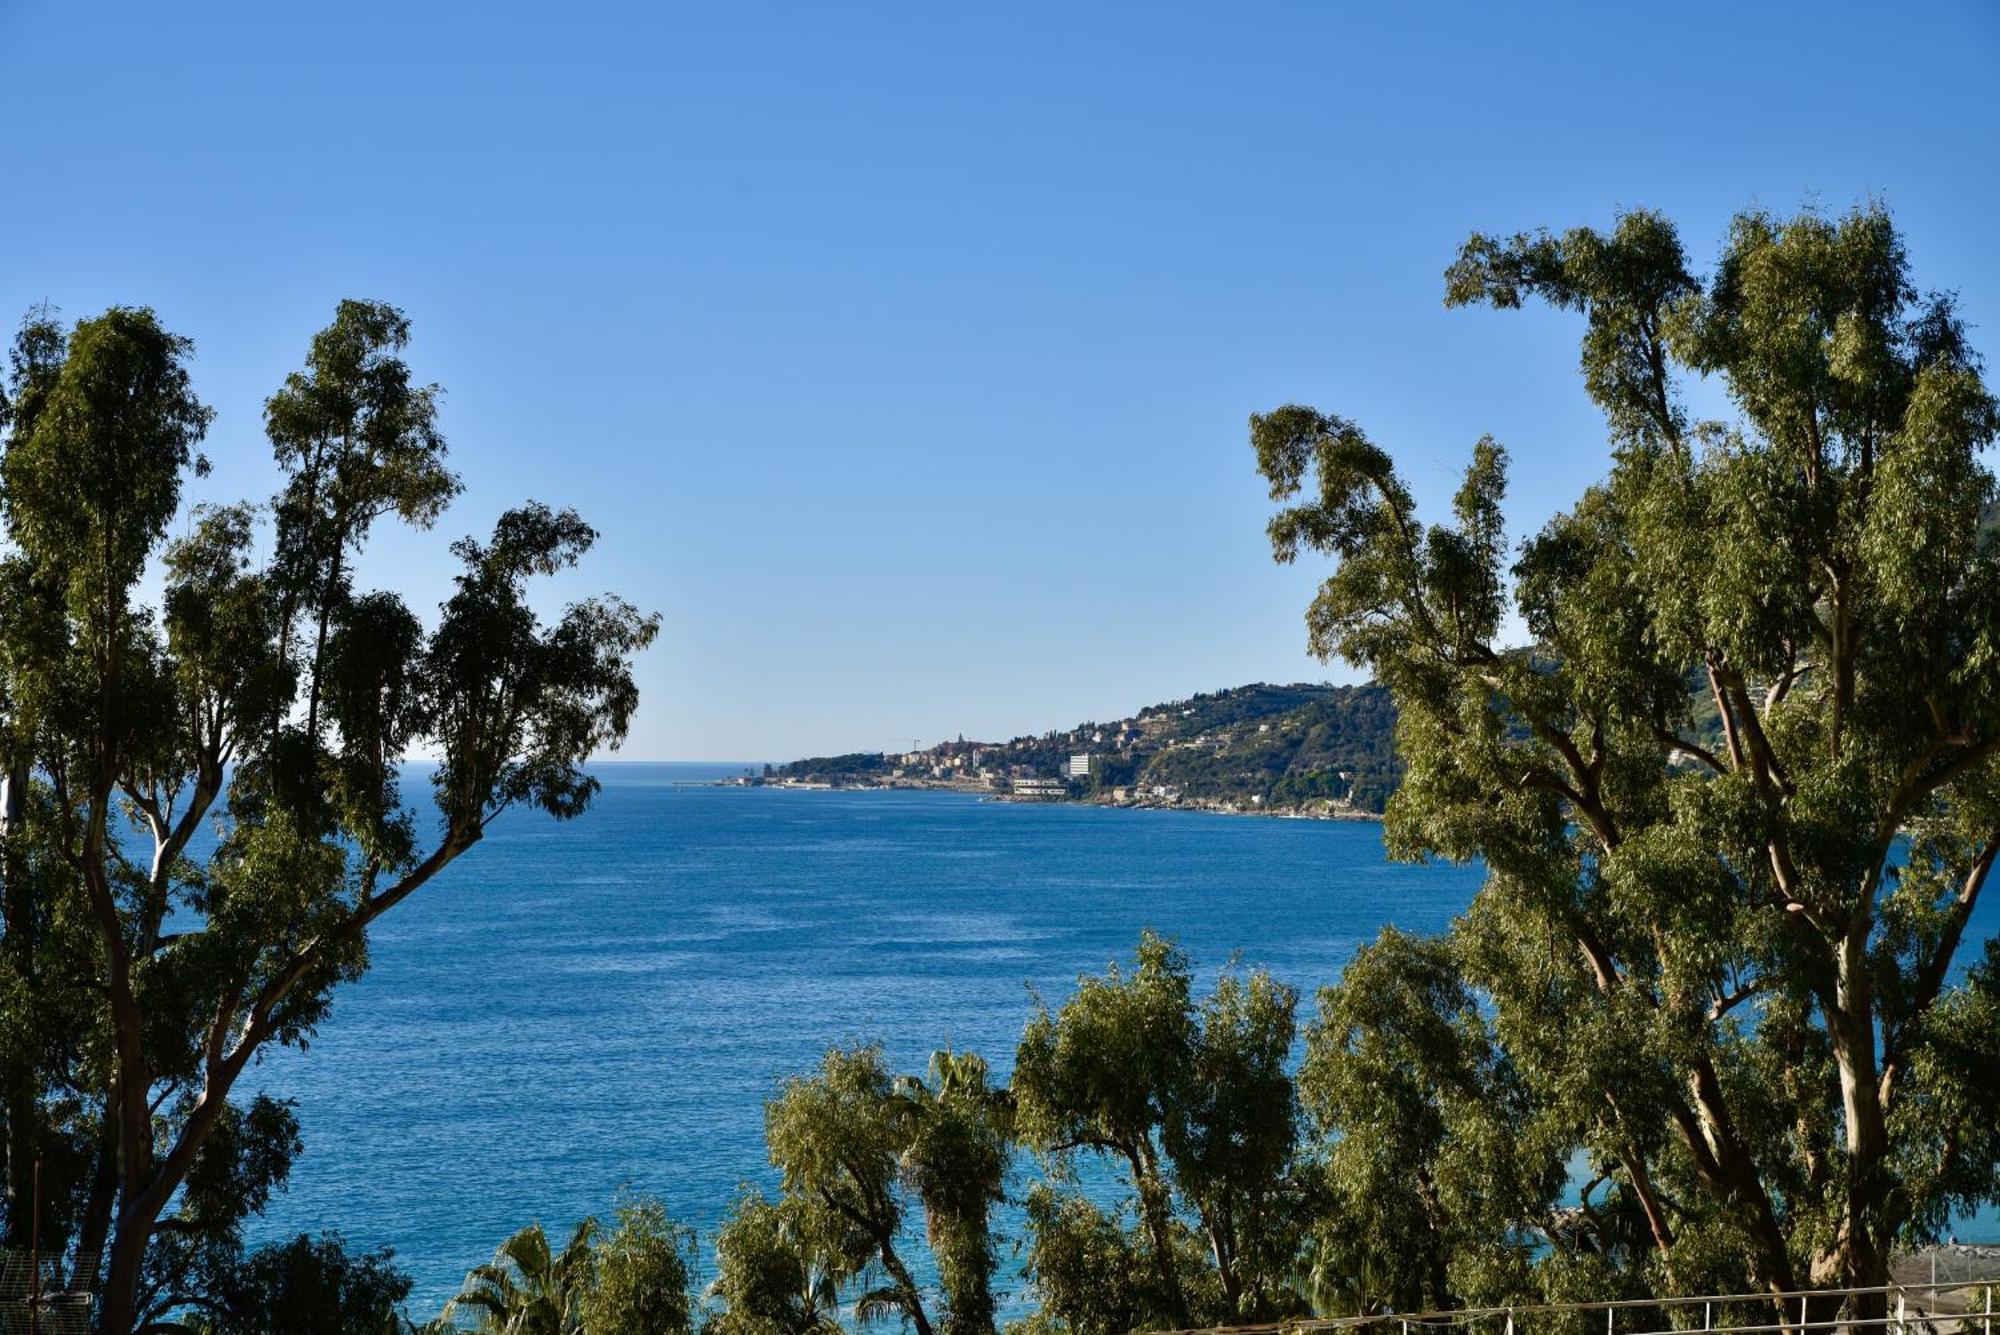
(1899, 1311)
(1609, 1312)
(1708, 1316)
(1510, 1313)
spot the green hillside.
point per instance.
(1288, 748)
(1287, 745)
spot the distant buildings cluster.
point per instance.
(1040, 788)
(1251, 748)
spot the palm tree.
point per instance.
(815, 1308)
(1335, 1283)
(778, 1274)
(528, 1289)
(958, 1132)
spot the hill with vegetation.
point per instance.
(1301, 748)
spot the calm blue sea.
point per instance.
(575, 1009)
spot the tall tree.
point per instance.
(357, 441)
(1194, 1101)
(1231, 1133)
(1758, 1016)
(958, 1137)
(528, 1288)
(837, 1138)
(1095, 1078)
(1442, 1174)
(858, 1151)
(129, 732)
(640, 1280)
(775, 1273)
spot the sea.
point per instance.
(576, 1011)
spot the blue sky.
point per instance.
(902, 355)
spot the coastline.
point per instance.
(1326, 810)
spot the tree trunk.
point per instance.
(22, 1091)
(913, 1303)
(1823, 1310)
(1851, 1032)
(1225, 1271)
(118, 1308)
(1153, 1206)
(319, 643)
(138, 1207)
(95, 1227)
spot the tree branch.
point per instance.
(1930, 977)
(1722, 710)
(313, 952)
(1692, 750)
(1725, 1002)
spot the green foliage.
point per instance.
(642, 1271)
(633, 1279)
(1191, 1098)
(1715, 950)
(838, 1139)
(47, 1044)
(1435, 1160)
(1295, 756)
(1092, 1274)
(308, 1286)
(199, 1252)
(528, 1288)
(1195, 1102)
(775, 1274)
(843, 768)
(267, 700)
(1288, 746)
(858, 1150)
(104, 424)
(957, 1138)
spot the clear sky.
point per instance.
(902, 355)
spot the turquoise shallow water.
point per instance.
(577, 1008)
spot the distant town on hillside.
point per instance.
(1305, 749)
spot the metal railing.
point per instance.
(34, 1299)
(1935, 1307)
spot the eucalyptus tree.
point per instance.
(837, 1139)
(46, 1006)
(1720, 934)
(1195, 1102)
(128, 732)
(1442, 1175)
(775, 1272)
(640, 1279)
(357, 441)
(1093, 1078)
(307, 1286)
(858, 1151)
(1090, 1274)
(1231, 1134)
